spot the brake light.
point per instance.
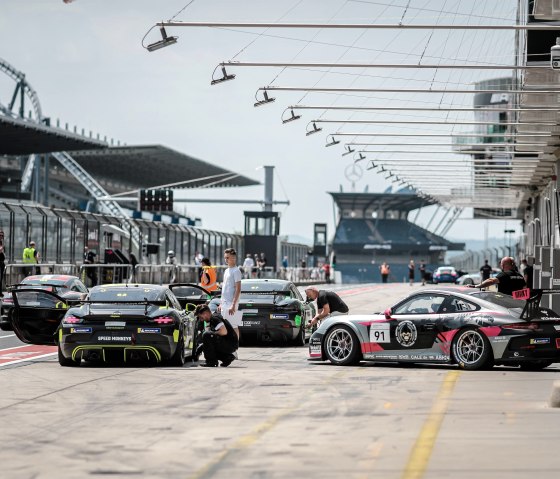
(164, 320)
(522, 326)
(8, 300)
(453, 274)
(72, 320)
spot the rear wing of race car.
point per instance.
(146, 303)
(533, 303)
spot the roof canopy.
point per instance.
(24, 137)
(380, 201)
(154, 165)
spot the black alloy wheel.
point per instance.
(66, 362)
(178, 358)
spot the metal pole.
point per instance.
(406, 108)
(268, 187)
(399, 90)
(360, 26)
(381, 65)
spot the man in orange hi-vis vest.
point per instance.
(385, 270)
(208, 276)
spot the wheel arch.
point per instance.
(354, 329)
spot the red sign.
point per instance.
(524, 293)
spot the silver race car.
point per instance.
(474, 329)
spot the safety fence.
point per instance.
(97, 274)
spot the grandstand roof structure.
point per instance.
(130, 167)
(406, 200)
(24, 137)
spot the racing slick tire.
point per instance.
(178, 358)
(66, 362)
(468, 281)
(535, 365)
(341, 346)
(300, 338)
(472, 350)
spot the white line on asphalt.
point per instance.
(8, 336)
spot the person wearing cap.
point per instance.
(30, 256)
(219, 340)
(328, 304)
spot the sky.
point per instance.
(87, 64)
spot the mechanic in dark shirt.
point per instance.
(486, 270)
(328, 304)
(219, 340)
(508, 281)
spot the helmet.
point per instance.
(171, 253)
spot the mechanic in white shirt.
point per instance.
(231, 290)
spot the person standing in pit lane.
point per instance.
(231, 290)
(508, 281)
(328, 304)
(411, 268)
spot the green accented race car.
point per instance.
(115, 322)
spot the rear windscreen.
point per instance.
(503, 300)
(268, 286)
(124, 294)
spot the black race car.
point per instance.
(66, 286)
(191, 295)
(273, 310)
(115, 322)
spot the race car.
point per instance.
(115, 322)
(273, 310)
(472, 328)
(191, 295)
(66, 286)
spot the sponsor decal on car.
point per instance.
(115, 323)
(149, 330)
(406, 333)
(251, 323)
(539, 341)
(80, 330)
(114, 338)
(315, 350)
(279, 316)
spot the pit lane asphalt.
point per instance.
(274, 414)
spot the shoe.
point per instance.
(228, 361)
(209, 365)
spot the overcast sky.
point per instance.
(87, 65)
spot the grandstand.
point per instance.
(374, 227)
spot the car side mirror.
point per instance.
(388, 313)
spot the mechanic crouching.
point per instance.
(219, 340)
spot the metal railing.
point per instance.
(15, 273)
(94, 274)
(99, 273)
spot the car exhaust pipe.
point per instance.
(266, 337)
(94, 356)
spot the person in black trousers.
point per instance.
(2, 269)
(219, 340)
